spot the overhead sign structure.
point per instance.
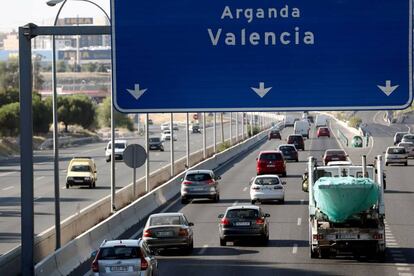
(172, 56)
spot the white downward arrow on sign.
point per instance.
(261, 91)
(388, 89)
(137, 93)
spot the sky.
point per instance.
(15, 13)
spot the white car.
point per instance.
(120, 146)
(166, 126)
(395, 155)
(166, 135)
(409, 148)
(267, 187)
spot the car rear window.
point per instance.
(338, 152)
(267, 181)
(198, 177)
(242, 214)
(154, 139)
(166, 220)
(396, 150)
(408, 137)
(286, 149)
(119, 252)
(81, 168)
(274, 132)
(295, 138)
(271, 156)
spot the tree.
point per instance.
(61, 66)
(37, 77)
(9, 119)
(42, 115)
(90, 67)
(9, 74)
(104, 116)
(9, 96)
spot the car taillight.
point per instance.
(210, 181)
(224, 221)
(260, 221)
(318, 237)
(377, 236)
(183, 232)
(147, 233)
(95, 266)
(187, 182)
(144, 264)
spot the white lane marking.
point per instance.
(392, 244)
(299, 221)
(405, 274)
(8, 188)
(244, 189)
(395, 251)
(391, 240)
(203, 249)
(157, 154)
(336, 137)
(63, 187)
(295, 249)
(372, 145)
(403, 268)
(135, 235)
(6, 173)
(409, 128)
(39, 178)
(401, 264)
(235, 203)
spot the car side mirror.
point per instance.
(95, 171)
(94, 253)
(182, 179)
(220, 216)
(218, 177)
(267, 215)
(190, 224)
(283, 182)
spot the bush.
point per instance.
(256, 130)
(42, 115)
(9, 119)
(104, 116)
(354, 122)
(223, 146)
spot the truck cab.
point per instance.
(81, 172)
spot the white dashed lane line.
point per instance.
(6, 174)
(7, 188)
(203, 250)
(244, 189)
(299, 221)
(295, 249)
(235, 203)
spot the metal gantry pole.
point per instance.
(215, 133)
(172, 144)
(26, 150)
(222, 127)
(242, 125)
(237, 127)
(147, 162)
(231, 128)
(204, 136)
(113, 189)
(251, 123)
(187, 140)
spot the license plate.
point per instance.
(346, 236)
(244, 223)
(271, 166)
(78, 181)
(198, 189)
(164, 234)
(335, 159)
(119, 268)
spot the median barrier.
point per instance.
(116, 225)
(48, 267)
(67, 258)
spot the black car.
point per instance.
(274, 134)
(296, 140)
(289, 152)
(155, 143)
(243, 222)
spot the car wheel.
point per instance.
(223, 242)
(253, 201)
(284, 174)
(94, 184)
(297, 160)
(406, 164)
(386, 163)
(184, 201)
(90, 185)
(190, 248)
(313, 254)
(282, 201)
(67, 186)
(162, 149)
(108, 159)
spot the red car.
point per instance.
(274, 134)
(271, 162)
(323, 131)
(334, 155)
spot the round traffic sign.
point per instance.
(135, 156)
(195, 116)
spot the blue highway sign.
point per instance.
(249, 55)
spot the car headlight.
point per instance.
(87, 178)
(69, 178)
(212, 189)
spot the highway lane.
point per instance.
(288, 251)
(75, 199)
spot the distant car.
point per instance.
(194, 128)
(266, 187)
(243, 222)
(169, 230)
(296, 140)
(408, 138)
(274, 134)
(200, 184)
(120, 146)
(334, 155)
(323, 131)
(398, 136)
(270, 162)
(81, 172)
(396, 155)
(165, 126)
(155, 143)
(288, 120)
(339, 163)
(289, 152)
(302, 127)
(124, 257)
(409, 148)
(321, 120)
(166, 135)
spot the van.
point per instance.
(81, 171)
(289, 120)
(321, 120)
(120, 146)
(302, 128)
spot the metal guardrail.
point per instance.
(343, 138)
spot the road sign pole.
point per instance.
(222, 127)
(26, 150)
(237, 127)
(215, 132)
(204, 136)
(172, 144)
(147, 162)
(187, 140)
(231, 128)
(251, 123)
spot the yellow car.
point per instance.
(82, 172)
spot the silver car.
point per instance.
(200, 184)
(409, 148)
(408, 138)
(396, 155)
(124, 257)
(169, 230)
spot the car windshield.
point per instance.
(275, 132)
(408, 137)
(154, 139)
(286, 149)
(119, 252)
(270, 156)
(198, 177)
(81, 168)
(396, 150)
(119, 145)
(267, 181)
(295, 138)
(165, 220)
(242, 214)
